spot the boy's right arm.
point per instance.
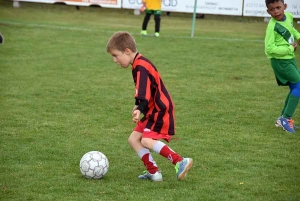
(272, 49)
(136, 116)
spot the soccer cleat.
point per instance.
(157, 176)
(156, 34)
(278, 124)
(144, 33)
(287, 124)
(183, 167)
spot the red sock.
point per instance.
(170, 154)
(149, 163)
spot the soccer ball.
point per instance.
(94, 165)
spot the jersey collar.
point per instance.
(138, 55)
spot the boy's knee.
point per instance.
(295, 89)
(132, 139)
(145, 142)
(157, 17)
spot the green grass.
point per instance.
(61, 96)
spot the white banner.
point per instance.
(258, 8)
(255, 8)
(102, 3)
(219, 7)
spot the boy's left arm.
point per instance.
(296, 34)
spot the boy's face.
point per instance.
(276, 10)
(122, 58)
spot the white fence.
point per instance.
(255, 8)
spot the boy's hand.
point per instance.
(134, 108)
(295, 45)
(142, 8)
(136, 116)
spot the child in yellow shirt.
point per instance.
(151, 7)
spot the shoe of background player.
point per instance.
(144, 33)
(156, 34)
(157, 176)
(183, 167)
(287, 124)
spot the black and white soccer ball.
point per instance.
(94, 165)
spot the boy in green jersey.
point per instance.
(280, 44)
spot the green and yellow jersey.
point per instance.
(279, 37)
(152, 4)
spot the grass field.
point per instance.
(61, 96)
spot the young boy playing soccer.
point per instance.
(154, 102)
(151, 7)
(280, 44)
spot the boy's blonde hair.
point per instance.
(120, 41)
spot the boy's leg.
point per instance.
(143, 153)
(291, 106)
(285, 103)
(286, 120)
(152, 172)
(165, 151)
(293, 100)
(157, 19)
(145, 22)
(277, 122)
(182, 165)
(287, 73)
(292, 74)
(134, 140)
(148, 160)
